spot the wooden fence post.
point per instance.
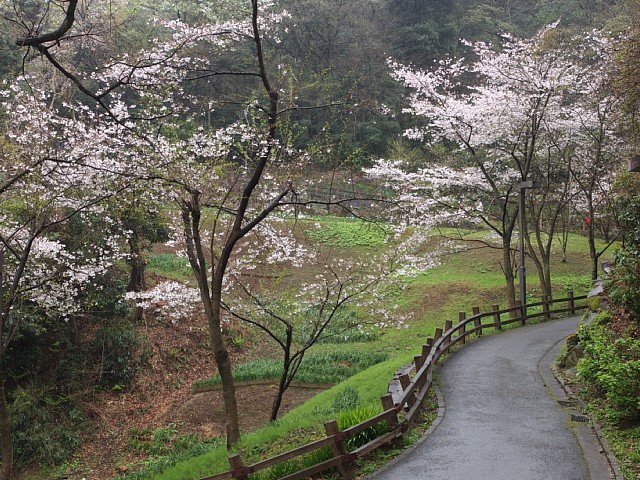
(496, 317)
(405, 382)
(418, 361)
(426, 347)
(337, 447)
(571, 304)
(477, 322)
(462, 316)
(447, 326)
(239, 470)
(545, 307)
(437, 334)
(387, 404)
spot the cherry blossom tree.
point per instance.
(54, 170)
(510, 114)
(315, 298)
(155, 78)
(226, 182)
(598, 158)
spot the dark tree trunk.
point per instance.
(6, 443)
(223, 362)
(508, 275)
(289, 369)
(282, 387)
(137, 280)
(593, 251)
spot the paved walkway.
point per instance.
(500, 421)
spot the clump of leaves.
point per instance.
(354, 416)
(170, 265)
(118, 345)
(161, 441)
(611, 364)
(349, 233)
(45, 426)
(347, 399)
(624, 284)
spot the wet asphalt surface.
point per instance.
(500, 421)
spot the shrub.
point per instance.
(105, 297)
(612, 365)
(45, 427)
(118, 345)
(624, 284)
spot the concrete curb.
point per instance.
(597, 430)
(601, 461)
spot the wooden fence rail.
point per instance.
(400, 413)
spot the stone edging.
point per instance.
(606, 450)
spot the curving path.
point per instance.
(500, 421)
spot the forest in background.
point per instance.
(339, 49)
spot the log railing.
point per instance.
(401, 412)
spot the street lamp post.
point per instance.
(524, 185)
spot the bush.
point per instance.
(612, 365)
(624, 285)
(118, 345)
(105, 297)
(45, 427)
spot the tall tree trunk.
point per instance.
(6, 443)
(282, 387)
(593, 252)
(211, 296)
(509, 276)
(289, 369)
(223, 361)
(137, 280)
(547, 278)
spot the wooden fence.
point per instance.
(401, 412)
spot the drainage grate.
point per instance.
(579, 418)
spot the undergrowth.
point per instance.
(347, 233)
(170, 266)
(327, 367)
